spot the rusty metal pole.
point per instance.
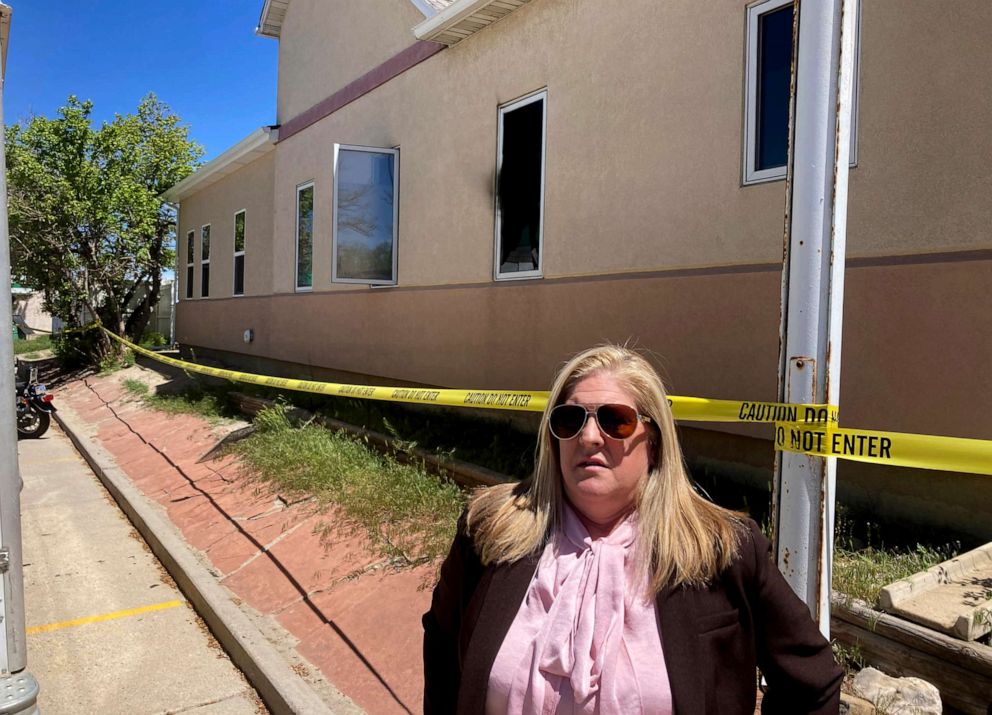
(813, 284)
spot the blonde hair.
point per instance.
(682, 539)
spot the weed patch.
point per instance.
(135, 387)
(408, 513)
(193, 402)
(849, 657)
(492, 443)
(208, 403)
(863, 564)
(862, 573)
(115, 361)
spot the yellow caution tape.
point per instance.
(684, 408)
(896, 449)
(64, 331)
(488, 399)
(806, 429)
(701, 409)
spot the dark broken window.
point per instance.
(520, 187)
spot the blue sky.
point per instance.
(202, 57)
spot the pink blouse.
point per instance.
(585, 639)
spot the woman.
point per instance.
(605, 584)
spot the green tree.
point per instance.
(88, 225)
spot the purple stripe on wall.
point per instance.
(978, 254)
(393, 67)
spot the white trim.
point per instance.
(236, 252)
(452, 15)
(259, 142)
(856, 86)
(447, 26)
(426, 9)
(271, 18)
(205, 261)
(190, 263)
(539, 95)
(749, 174)
(396, 215)
(296, 254)
(754, 12)
(5, 12)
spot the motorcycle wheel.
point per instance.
(31, 424)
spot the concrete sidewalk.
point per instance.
(105, 622)
(337, 617)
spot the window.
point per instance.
(520, 187)
(304, 236)
(769, 64)
(190, 253)
(205, 261)
(239, 253)
(366, 183)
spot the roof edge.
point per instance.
(5, 13)
(438, 28)
(426, 9)
(269, 22)
(259, 142)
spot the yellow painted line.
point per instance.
(102, 617)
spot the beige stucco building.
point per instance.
(580, 171)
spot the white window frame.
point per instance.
(296, 252)
(539, 95)
(205, 261)
(237, 253)
(759, 176)
(396, 215)
(190, 263)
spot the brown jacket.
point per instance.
(714, 637)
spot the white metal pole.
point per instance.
(19, 688)
(813, 285)
(12, 648)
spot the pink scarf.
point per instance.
(585, 633)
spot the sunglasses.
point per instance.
(616, 421)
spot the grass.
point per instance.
(408, 514)
(198, 401)
(135, 387)
(861, 573)
(861, 568)
(849, 657)
(33, 345)
(490, 442)
(209, 403)
(116, 360)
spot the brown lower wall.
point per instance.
(916, 351)
(711, 335)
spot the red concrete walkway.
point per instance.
(357, 623)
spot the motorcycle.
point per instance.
(34, 407)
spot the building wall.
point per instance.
(923, 180)
(644, 142)
(618, 132)
(649, 235)
(325, 44)
(29, 313)
(249, 188)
